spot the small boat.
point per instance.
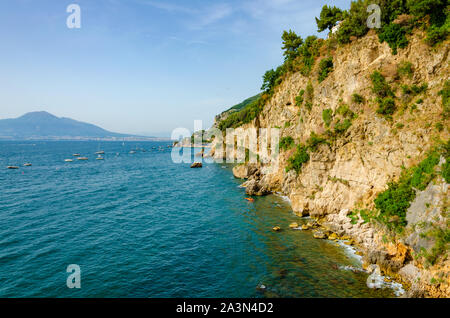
(13, 167)
(83, 158)
(27, 164)
(68, 160)
(99, 158)
(100, 152)
(250, 199)
(132, 152)
(76, 155)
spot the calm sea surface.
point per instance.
(139, 225)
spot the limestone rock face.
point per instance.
(244, 171)
(351, 171)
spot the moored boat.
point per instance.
(76, 155)
(27, 164)
(68, 160)
(83, 158)
(13, 167)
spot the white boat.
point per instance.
(99, 158)
(132, 152)
(100, 152)
(27, 164)
(68, 160)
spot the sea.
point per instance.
(139, 225)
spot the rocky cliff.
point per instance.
(355, 151)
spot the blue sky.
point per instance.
(143, 66)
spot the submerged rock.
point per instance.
(319, 235)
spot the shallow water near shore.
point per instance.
(139, 225)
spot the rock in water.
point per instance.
(319, 235)
(375, 280)
(197, 165)
(333, 237)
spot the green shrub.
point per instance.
(297, 160)
(419, 89)
(340, 128)
(413, 90)
(393, 204)
(395, 201)
(439, 127)
(445, 169)
(286, 143)
(394, 35)
(424, 172)
(445, 172)
(357, 99)
(405, 68)
(325, 68)
(436, 9)
(327, 116)
(386, 106)
(345, 111)
(440, 248)
(436, 34)
(379, 85)
(314, 141)
(299, 99)
(287, 124)
(445, 94)
(308, 105)
(308, 96)
(309, 91)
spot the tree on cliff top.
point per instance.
(329, 16)
(291, 43)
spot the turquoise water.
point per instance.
(139, 225)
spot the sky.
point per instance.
(143, 66)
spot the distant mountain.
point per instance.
(43, 125)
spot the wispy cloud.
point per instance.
(196, 18)
(213, 14)
(169, 7)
